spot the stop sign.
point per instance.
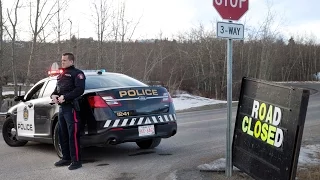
(231, 9)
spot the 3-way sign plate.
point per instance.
(230, 30)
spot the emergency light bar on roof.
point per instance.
(99, 71)
(55, 72)
(91, 70)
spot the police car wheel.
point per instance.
(149, 143)
(9, 133)
(56, 140)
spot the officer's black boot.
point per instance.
(75, 165)
(62, 162)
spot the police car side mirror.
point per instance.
(18, 98)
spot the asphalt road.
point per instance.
(200, 139)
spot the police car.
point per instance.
(115, 108)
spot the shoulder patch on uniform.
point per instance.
(80, 76)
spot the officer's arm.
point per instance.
(79, 87)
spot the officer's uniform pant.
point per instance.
(69, 132)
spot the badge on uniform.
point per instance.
(80, 76)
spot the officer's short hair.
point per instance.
(70, 56)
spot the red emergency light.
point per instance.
(55, 72)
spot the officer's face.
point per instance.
(65, 62)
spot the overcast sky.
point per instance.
(292, 17)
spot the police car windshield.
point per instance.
(110, 80)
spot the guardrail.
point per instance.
(3, 114)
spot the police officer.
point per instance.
(70, 86)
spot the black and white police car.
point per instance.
(115, 108)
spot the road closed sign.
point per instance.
(230, 30)
(268, 129)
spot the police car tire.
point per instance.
(56, 140)
(149, 143)
(10, 139)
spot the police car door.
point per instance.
(44, 111)
(25, 111)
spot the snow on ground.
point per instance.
(10, 92)
(309, 155)
(186, 101)
(19, 84)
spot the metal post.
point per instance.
(229, 115)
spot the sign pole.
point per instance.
(231, 11)
(229, 115)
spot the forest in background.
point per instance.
(194, 61)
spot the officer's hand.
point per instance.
(55, 98)
(61, 99)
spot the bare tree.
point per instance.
(125, 28)
(37, 27)
(268, 35)
(102, 14)
(59, 27)
(115, 30)
(178, 70)
(153, 57)
(13, 22)
(62, 6)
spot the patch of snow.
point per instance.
(19, 84)
(218, 165)
(309, 155)
(172, 176)
(186, 101)
(10, 92)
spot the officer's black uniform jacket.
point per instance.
(70, 84)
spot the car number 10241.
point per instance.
(146, 130)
